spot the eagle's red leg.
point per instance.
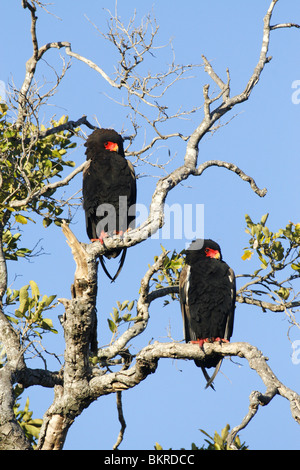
(209, 340)
(199, 341)
(120, 232)
(101, 237)
(220, 340)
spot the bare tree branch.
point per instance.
(267, 305)
(285, 25)
(146, 363)
(234, 169)
(121, 419)
(142, 313)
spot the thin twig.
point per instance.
(121, 419)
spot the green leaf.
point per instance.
(47, 324)
(47, 222)
(94, 360)
(124, 304)
(36, 422)
(266, 232)
(264, 262)
(115, 314)
(23, 298)
(26, 407)
(33, 430)
(35, 290)
(48, 300)
(158, 446)
(3, 108)
(218, 440)
(126, 317)
(205, 433)
(176, 264)
(224, 432)
(247, 254)
(264, 218)
(248, 220)
(296, 267)
(283, 292)
(18, 314)
(112, 326)
(21, 219)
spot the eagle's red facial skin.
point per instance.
(212, 253)
(112, 146)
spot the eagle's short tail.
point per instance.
(209, 380)
(121, 262)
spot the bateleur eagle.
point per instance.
(109, 190)
(207, 291)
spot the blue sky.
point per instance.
(263, 139)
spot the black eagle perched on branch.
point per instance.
(109, 191)
(207, 291)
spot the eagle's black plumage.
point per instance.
(207, 293)
(109, 190)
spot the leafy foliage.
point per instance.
(30, 310)
(117, 318)
(169, 275)
(27, 163)
(31, 427)
(218, 442)
(29, 160)
(10, 246)
(275, 280)
(269, 245)
(277, 251)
